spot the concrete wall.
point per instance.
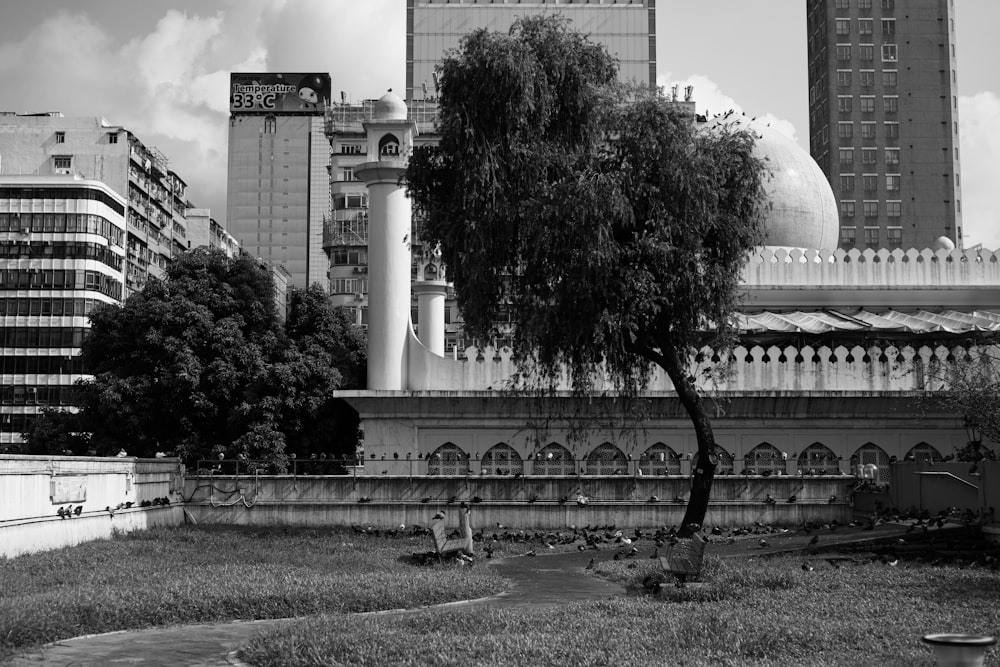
(620, 500)
(942, 486)
(33, 488)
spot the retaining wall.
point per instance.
(525, 502)
(34, 488)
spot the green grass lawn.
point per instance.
(751, 612)
(212, 573)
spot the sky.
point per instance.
(161, 69)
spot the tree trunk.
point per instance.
(704, 464)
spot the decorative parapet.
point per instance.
(896, 269)
(873, 367)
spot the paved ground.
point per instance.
(545, 579)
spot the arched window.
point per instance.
(818, 459)
(923, 452)
(606, 460)
(502, 459)
(660, 460)
(448, 459)
(725, 464)
(764, 459)
(873, 454)
(388, 146)
(554, 459)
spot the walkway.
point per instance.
(545, 579)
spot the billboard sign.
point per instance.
(259, 93)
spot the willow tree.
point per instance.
(612, 229)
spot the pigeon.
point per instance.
(451, 501)
(832, 499)
(763, 543)
(769, 500)
(792, 498)
(425, 500)
(807, 567)
(477, 499)
(814, 541)
(439, 515)
(63, 513)
(77, 510)
(530, 553)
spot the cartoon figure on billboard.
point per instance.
(311, 92)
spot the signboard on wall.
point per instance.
(284, 93)
(68, 489)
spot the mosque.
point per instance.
(835, 348)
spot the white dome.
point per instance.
(943, 243)
(390, 107)
(804, 210)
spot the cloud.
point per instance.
(979, 118)
(710, 100)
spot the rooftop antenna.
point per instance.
(434, 75)
(423, 85)
(343, 97)
(688, 93)
(673, 93)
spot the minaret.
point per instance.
(431, 289)
(390, 140)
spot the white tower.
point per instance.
(431, 289)
(390, 140)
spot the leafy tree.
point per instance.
(199, 364)
(324, 338)
(611, 226)
(968, 386)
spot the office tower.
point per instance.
(278, 184)
(626, 27)
(62, 252)
(883, 118)
(91, 147)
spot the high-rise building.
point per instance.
(883, 118)
(62, 252)
(91, 147)
(626, 27)
(279, 186)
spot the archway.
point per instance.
(554, 459)
(502, 459)
(870, 453)
(764, 459)
(606, 459)
(818, 459)
(660, 459)
(448, 459)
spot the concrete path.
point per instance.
(542, 580)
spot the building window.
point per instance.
(60, 137)
(867, 105)
(868, 131)
(843, 4)
(62, 161)
(893, 208)
(892, 156)
(112, 137)
(847, 182)
(889, 79)
(894, 236)
(892, 182)
(868, 156)
(871, 236)
(888, 27)
(847, 209)
(889, 53)
(846, 156)
(843, 52)
(843, 26)
(866, 52)
(888, 5)
(349, 173)
(864, 4)
(871, 209)
(890, 104)
(892, 132)
(843, 77)
(865, 26)
(871, 182)
(845, 104)
(845, 131)
(867, 78)
(848, 235)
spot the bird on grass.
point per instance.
(530, 553)
(814, 541)
(763, 543)
(807, 567)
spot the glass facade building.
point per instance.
(626, 27)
